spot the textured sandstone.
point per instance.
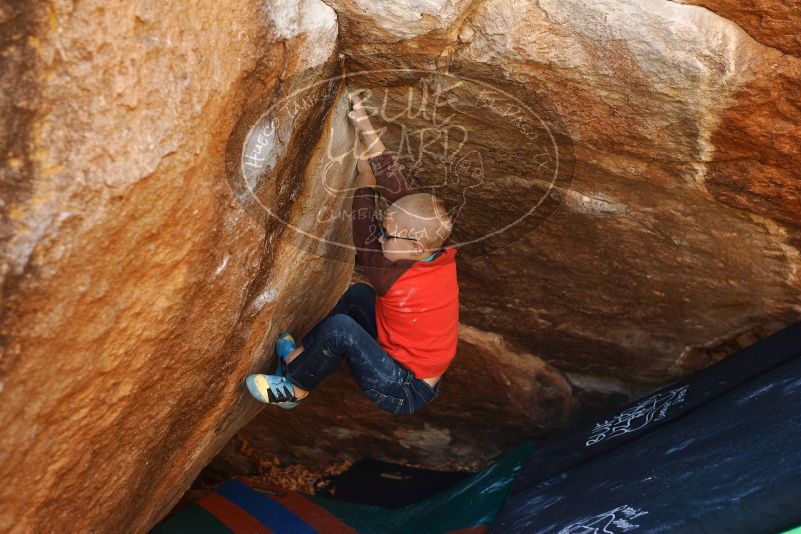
(771, 22)
(147, 268)
(137, 291)
(680, 226)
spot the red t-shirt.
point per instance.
(418, 317)
(417, 303)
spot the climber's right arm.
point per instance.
(364, 127)
(391, 183)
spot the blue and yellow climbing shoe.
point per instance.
(283, 347)
(272, 389)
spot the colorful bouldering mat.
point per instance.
(240, 505)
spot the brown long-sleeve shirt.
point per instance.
(390, 184)
(417, 314)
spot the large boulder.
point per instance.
(624, 176)
(141, 281)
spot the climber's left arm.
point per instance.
(381, 272)
(364, 176)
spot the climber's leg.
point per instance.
(357, 302)
(339, 337)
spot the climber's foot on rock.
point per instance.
(283, 347)
(272, 389)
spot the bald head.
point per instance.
(423, 216)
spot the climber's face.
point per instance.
(398, 241)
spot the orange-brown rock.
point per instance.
(624, 176)
(773, 23)
(658, 142)
(138, 289)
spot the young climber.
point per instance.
(399, 336)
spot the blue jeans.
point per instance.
(349, 333)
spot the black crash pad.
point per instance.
(389, 485)
(719, 451)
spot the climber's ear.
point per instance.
(417, 248)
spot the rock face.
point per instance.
(680, 223)
(774, 24)
(139, 287)
(624, 176)
(657, 144)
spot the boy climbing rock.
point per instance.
(398, 337)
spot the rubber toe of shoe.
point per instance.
(286, 405)
(258, 387)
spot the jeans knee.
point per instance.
(340, 323)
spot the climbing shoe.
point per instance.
(283, 347)
(272, 389)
